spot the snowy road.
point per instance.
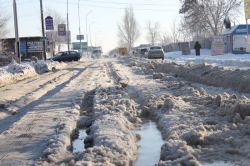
(41, 105)
(109, 98)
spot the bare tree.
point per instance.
(56, 41)
(175, 33)
(128, 31)
(3, 23)
(208, 15)
(153, 32)
(166, 39)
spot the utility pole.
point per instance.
(79, 25)
(68, 35)
(17, 41)
(43, 33)
(87, 29)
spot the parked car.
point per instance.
(155, 52)
(66, 56)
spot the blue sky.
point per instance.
(103, 20)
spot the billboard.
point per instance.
(53, 36)
(34, 46)
(218, 46)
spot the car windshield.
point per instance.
(155, 48)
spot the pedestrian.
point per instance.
(197, 48)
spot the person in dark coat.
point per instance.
(197, 48)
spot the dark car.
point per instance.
(155, 52)
(67, 56)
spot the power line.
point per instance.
(123, 3)
(117, 8)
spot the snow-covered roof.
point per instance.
(230, 31)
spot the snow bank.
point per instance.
(111, 134)
(194, 123)
(16, 72)
(202, 73)
(228, 61)
(199, 124)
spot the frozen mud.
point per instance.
(111, 138)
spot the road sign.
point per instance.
(80, 37)
(49, 23)
(61, 29)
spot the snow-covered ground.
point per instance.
(228, 61)
(15, 72)
(109, 99)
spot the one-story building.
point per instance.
(235, 39)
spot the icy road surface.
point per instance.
(202, 113)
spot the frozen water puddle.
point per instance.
(150, 145)
(78, 144)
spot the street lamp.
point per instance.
(79, 25)
(68, 33)
(87, 28)
(90, 32)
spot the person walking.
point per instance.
(197, 48)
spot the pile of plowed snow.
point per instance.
(201, 73)
(111, 133)
(228, 61)
(16, 72)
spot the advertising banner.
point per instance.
(34, 46)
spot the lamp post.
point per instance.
(79, 25)
(68, 34)
(87, 28)
(17, 41)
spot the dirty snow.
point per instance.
(16, 72)
(200, 124)
(228, 61)
(199, 128)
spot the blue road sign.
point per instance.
(49, 23)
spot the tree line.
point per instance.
(199, 19)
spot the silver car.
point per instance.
(155, 52)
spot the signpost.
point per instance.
(80, 37)
(49, 23)
(61, 29)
